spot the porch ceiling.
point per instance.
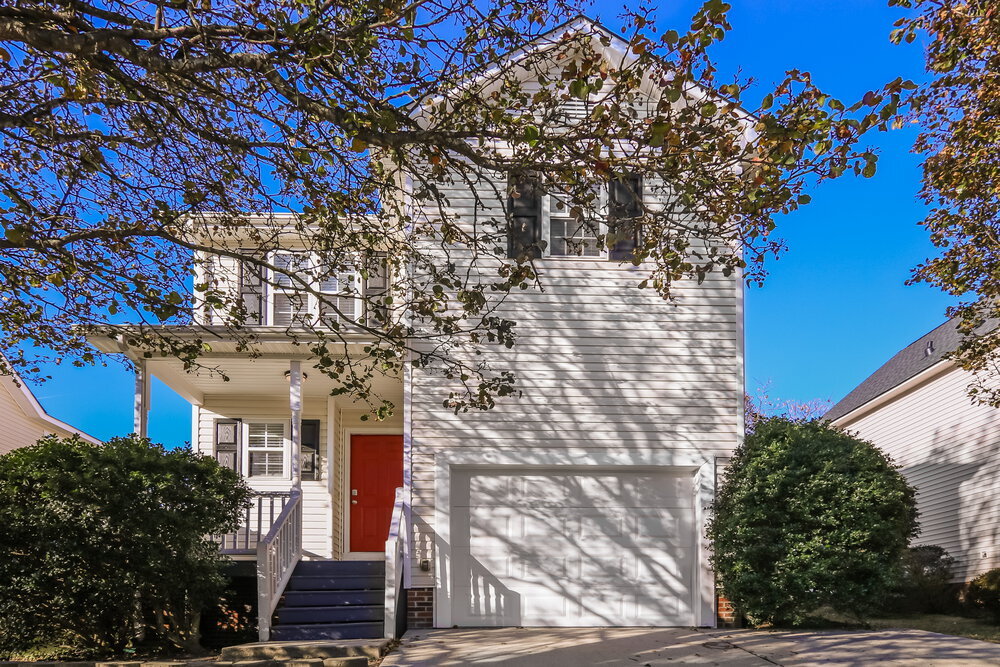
(254, 377)
(263, 375)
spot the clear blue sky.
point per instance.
(835, 306)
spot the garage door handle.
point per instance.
(354, 502)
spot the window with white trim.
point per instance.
(546, 224)
(572, 230)
(289, 305)
(266, 450)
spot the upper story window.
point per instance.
(544, 224)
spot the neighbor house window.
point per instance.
(266, 449)
(337, 297)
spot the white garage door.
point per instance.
(572, 547)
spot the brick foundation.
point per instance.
(726, 613)
(419, 608)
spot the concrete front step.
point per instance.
(332, 598)
(335, 582)
(341, 614)
(312, 631)
(298, 650)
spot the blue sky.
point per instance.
(835, 305)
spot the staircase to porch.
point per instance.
(332, 600)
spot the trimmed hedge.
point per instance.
(103, 543)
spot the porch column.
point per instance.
(295, 402)
(140, 405)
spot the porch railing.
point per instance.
(277, 554)
(256, 522)
(395, 554)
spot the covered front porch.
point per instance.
(327, 481)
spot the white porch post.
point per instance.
(295, 402)
(140, 405)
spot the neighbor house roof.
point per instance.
(928, 350)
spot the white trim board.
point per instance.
(701, 466)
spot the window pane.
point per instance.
(570, 234)
(341, 290)
(287, 262)
(289, 308)
(267, 464)
(266, 435)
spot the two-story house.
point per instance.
(579, 502)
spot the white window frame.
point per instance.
(286, 449)
(603, 211)
(602, 226)
(312, 302)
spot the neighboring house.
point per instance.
(917, 409)
(23, 421)
(580, 503)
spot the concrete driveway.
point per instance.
(636, 647)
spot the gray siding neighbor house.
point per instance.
(916, 408)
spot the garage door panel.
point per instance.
(553, 548)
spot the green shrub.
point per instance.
(926, 586)
(101, 542)
(983, 593)
(809, 516)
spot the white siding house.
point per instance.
(579, 502)
(916, 408)
(23, 421)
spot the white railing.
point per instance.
(277, 554)
(257, 519)
(395, 553)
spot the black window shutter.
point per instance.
(252, 288)
(625, 210)
(375, 289)
(524, 218)
(310, 448)
(227, 443)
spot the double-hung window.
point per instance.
(336, 291)
(289, 303)
(266, 449)
(546, 224)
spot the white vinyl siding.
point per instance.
(17, 428)
(600, 365)
(949, 449)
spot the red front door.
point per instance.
(376, 472)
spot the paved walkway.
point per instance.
(655, 647)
